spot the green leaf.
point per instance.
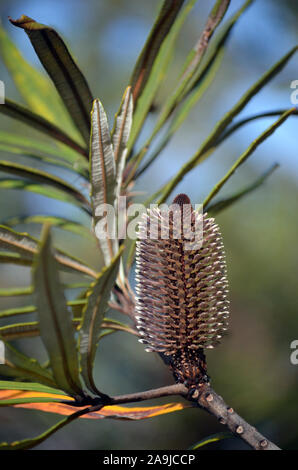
(253, 146)
(103, 179)
(93, 315)
(45, 190)
(43, 177)
(67, 78)
(21, 145)
(209, 144)
(35, 88)
(213, 438)
(199, 82)
(182, 113)
(15, 291)
(122, 127)
(30, 386)
(29, 443)
(59, 222)
(21, 366)
(163, 24)
(31, 329)
(196, 55)
(157, 69)
(224, 203)
(26, 246)
(32, 308)
(55, 321)
(14, 258)
(16, 111)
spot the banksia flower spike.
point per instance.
(181, 304)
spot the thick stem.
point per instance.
(208, 399)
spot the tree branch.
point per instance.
(206, 398)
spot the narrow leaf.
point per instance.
(224, 203)
(19, 365)
(40, 176)
(68, 79)
(55, 320)
(103, 178)
(26, 246)
(247, 153)
(16, 111)
(166, 17)
(93, 314)
(35, 88)
(210, 143)
(16, 389)
(213, 438)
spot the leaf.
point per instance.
(16, 111)
(31, 329)
(186, 107)
(35, 88)
(214, 19)
(165, 20)
(244, 121)
(14, 258)
(32, 308)
(93, 315)
(59, 222)
(21, 366)
(200, 81)
(68, 79)
(26, 246)
(213, 438)
(10, 387)
(210, 143)
(43, 177)
(103, 179)
(223, 204)
(158, 69)
(114, 411)
(40, 150)
(268, 132)
(55, 320)
(122, 126)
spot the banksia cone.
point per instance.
(181, 304)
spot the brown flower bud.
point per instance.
(181, 304)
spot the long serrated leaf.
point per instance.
(40, 176)
(35, 88)
(29, 386)
(16, 111)
(210, 142)
(157, 73)
(214, 19)
(199, 77)
(26, 246)
(103, 178)
(21, 145)
(67, 77)
(10, 312)
(165, 19)
(42, 190)
(59, 222)
(269, 131)
(224, 203)
(93, 314)
(31, 329)
(122, 126)
(55, 321)
(19, 365)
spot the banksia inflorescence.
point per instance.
(181, 304)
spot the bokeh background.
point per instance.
(252, 368)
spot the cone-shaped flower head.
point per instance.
(181, 306)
